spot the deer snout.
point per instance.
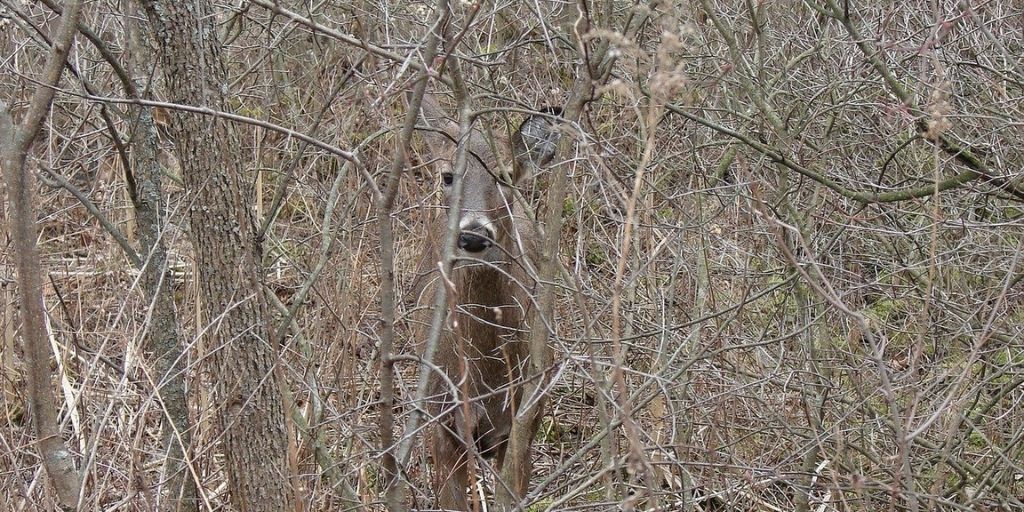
(475, 237)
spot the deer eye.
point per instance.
(446, 178)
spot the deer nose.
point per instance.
(472, 242)
(475, 238)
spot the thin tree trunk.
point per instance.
(14, 147)
(247, 390)
(164, 348)
(518, 466)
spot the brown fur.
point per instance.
(483, 351)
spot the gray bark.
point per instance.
(164, 347)
(247, 389)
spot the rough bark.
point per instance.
(251, 415)
(164, 348)
(14, 146)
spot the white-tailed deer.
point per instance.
(483, 352)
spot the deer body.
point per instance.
(482, 356)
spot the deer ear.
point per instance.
(535, 142)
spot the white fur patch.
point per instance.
(470, 219)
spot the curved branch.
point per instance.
(963, 155)
(861, 197)
(55, 180)
(347, 155)
(14, 147)
(407, 61)
(102, 48)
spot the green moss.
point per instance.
(884, 309)
(595, 496)
(540, 506)
(1012, 355)
(253, 111)
(976, 440)
(596, 256)
(569, 207)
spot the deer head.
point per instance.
(487, 204)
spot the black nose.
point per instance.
(472, 242)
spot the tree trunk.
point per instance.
(14, 146)
(518, 467)
(163, 347)
(251, 416)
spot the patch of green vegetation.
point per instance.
(887, 312)
(1017, 315)
(540, 506)
(550, 431)
(234, 103)
(594, 207)
(759, 265)
(569, 207)
(885, 308)
(976, 439)
(596, 255)
(293, 207)
(372, 477)
(1012, 355)
(595, 496)
(253, 111)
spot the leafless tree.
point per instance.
(248, 396)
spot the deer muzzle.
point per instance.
(475, 237)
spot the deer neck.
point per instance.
(487, 293)
(482, 284)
